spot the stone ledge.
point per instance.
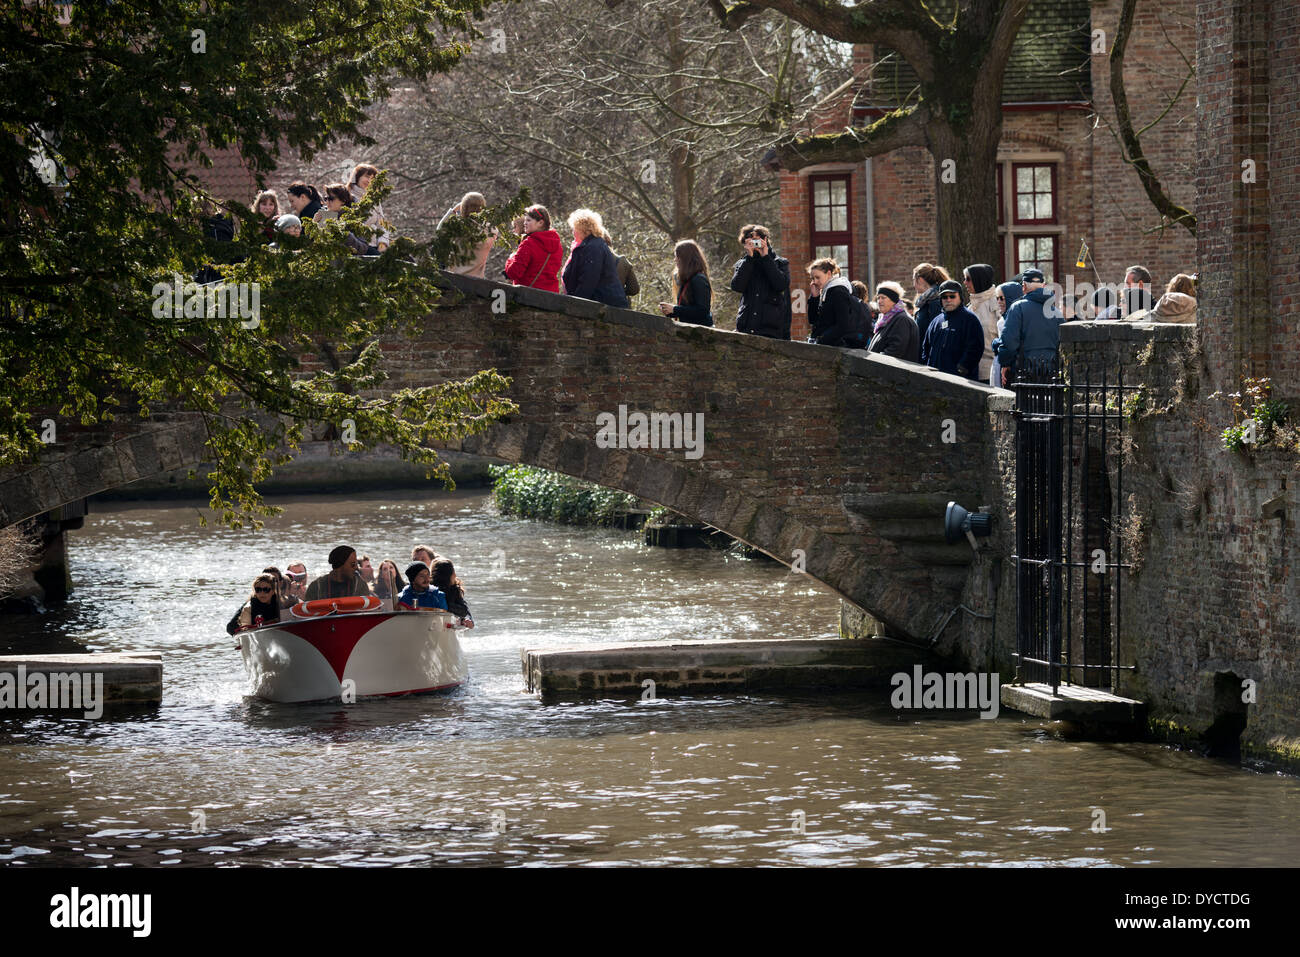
(1115, 331)
(854, 362)
(1073, 703)
(719, 666)
(128, 678)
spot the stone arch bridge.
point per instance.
(831, 460)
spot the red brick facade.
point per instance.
(1097, 196)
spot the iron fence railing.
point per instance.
(1070, 513)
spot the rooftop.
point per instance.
(1050, 62)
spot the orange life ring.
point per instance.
(329, 606)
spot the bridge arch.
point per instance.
(842, 458)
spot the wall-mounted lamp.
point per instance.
(957, 522)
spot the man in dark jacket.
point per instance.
(1032, 331)
(763, 280)
(955, 340)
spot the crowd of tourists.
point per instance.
(974, 327)
(428, 583)
(305, 203)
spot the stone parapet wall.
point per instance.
(1215, 599)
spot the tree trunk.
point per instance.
(681, 157)
(966, 214)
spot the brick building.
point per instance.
(1061, 175)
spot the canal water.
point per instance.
(490, 775)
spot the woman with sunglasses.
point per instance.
(261, 608)
(280, 586)
(540, 255)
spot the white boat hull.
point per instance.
(359, 654)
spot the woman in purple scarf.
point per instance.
(895, 333)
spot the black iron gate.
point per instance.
(1070, 508)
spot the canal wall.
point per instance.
(319, 467)
(1212, 600)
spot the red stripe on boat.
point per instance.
(334, 637)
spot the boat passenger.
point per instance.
(343, 581)
(296, 572)
(418, 596)
(443, 577)
(388, 584)
(260, 609)
(281, 586)
(423, 553)
(366, 570)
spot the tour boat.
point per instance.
(348, 648)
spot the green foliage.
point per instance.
(105, 121)
(1135, 403)
(1257, 419)
(538, 493)
(1234, 438)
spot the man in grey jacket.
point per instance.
(1033, 327)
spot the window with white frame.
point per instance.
(829, 230)
(1031, 226)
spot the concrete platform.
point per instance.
(1073, 703)
(719, 666)
(114, 679)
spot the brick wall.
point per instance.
(1216, 590)
(795, 242)
(1214, 597)
(1123, 223)
(1101, 199)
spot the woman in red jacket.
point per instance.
(540, 256)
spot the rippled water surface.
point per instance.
(488, 774)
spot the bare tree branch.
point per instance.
(903, 25)
(892, 131)
(1007, 27)
(1129, 137)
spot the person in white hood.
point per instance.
(978, 279)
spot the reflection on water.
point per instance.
(489, 775)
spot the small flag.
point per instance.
(1083, 256)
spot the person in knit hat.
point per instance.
(288, 223)
(417, 595)
(894, 332)
(343, 581)
(1032, 333)
(955, 340)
